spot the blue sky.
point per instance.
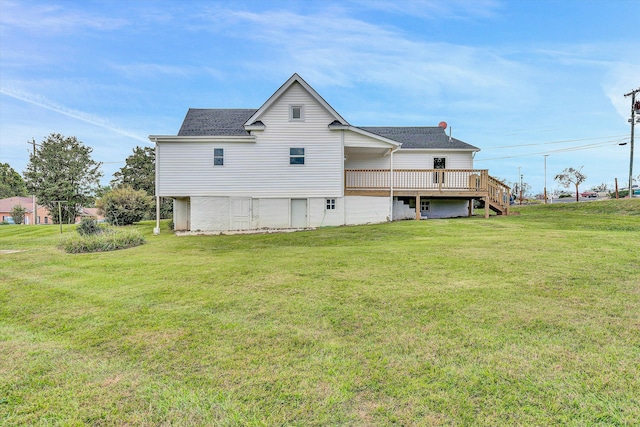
(517, 78)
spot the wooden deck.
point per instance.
(470, 184)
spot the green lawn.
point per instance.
(523, 320)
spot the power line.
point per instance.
(562, 150)
(553, 142)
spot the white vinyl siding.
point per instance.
(261, 168)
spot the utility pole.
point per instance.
(545, 178)
(520, 184)
(634, 106)
(59, 202)
(35, 205)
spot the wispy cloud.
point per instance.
(361, 52)
(54, 18)
(42, 102)
(435, 9)
(150, 70)
(618, 71)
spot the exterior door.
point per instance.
(240, 214)
(439, 163)
(299, 213)
(181, 214)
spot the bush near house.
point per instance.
(89, 227)
(124, 205)
(108, 239)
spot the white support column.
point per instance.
(156, 230)
(391, 186)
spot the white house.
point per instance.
(295, 163)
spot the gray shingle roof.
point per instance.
(221, 122)
(230, 122)
(420, 137)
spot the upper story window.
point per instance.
(218, 157)
(296, 113)
(296, 156)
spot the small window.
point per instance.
(296, 156)
(218, 157)
(331, 204)
(46, 219)
(296, 113)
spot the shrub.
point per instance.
(89, 227)
(18, 212)
(108, 240)
(124, 205)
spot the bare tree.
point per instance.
(602, 188)
(571, 176)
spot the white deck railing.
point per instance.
(418, 179)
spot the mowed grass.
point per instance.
(522, 320)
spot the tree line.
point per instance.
(64, 178)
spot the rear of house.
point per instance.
(296, 163)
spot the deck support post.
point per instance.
(486, 206)
(418, 207)
(470, 207)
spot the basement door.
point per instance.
(240, 213)
(298, 213)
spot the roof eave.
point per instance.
(472, 149)
(201, 138)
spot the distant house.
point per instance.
(6, 206)
(295, 163)
(89, 213)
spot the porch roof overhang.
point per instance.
(370, 151)
(377, 140)
(377, 144)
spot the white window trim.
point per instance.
(291, 118)
(330, 204)
(302, 156)
(218, 157)
(446, 161)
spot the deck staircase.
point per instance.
(499, 196)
